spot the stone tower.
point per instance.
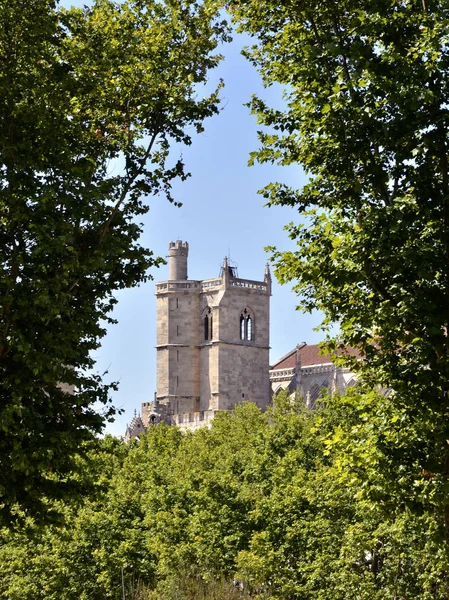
(177, 254)
(212, 343)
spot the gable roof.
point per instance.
(288, 361)
(309, 354)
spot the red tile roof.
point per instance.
(286, 362)
(310, 355)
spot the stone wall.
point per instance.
(177, 342)
(197, 373)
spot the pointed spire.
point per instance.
(225, 271)
(267, 278)
(267, 272)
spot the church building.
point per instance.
(212, 344)
(309, 372)
(213, 339)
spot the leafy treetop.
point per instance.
(81, 88)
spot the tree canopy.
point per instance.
(80, 88)
(285, 503)
(365, 114)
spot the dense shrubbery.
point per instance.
(291, 504)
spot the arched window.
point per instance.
(207, 324)
(247, 325)
(315, 393)
(242, 327)
(352, 382)
(278, 390)
(249, 329)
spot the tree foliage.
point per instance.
(80, 88)
(289, 504)
(365, 114)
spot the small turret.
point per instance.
(177, 260)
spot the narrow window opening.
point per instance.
(246, 326)
(208, 325)
(177, 355)
(249, 329)
(177, 303)
(177, 329)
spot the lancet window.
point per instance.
(208, 324)
(315, 393)
(247, 325)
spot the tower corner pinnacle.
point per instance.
(267, 278)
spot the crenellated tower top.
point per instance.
(177, 259)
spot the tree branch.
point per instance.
(127, 186)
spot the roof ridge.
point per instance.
(295, 349)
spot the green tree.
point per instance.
(320, 529)
(80, 88)
(366, 115)
(289, 502)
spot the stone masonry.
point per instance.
(212, 344)
(308, 371)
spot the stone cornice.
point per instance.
(229, 343)
(208, 285)
(284, 374)
(171, 346)
(281, 374)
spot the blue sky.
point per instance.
(221, 214)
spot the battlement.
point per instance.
(207, 284)
(250, 284)
(178, 245)
(178, 286)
